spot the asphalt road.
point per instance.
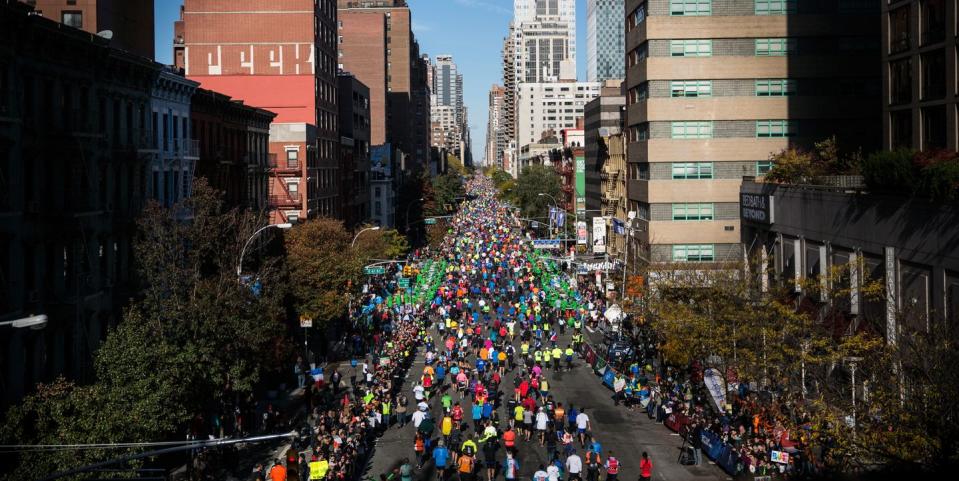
(627, 433)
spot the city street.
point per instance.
(627, 433)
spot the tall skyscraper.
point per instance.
(544, 35)
(495, 138)
(446, 110)
(509, 101)
(715, 86)
(605, 40)
(280, 57)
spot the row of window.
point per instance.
(703, 129)
(704, 170)
(704, 88)
(765, 47)
(764, 7)
(694, 253)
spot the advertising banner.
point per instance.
(728, 459)
(582, 235)
(599, 235)
(580, 184)
(714, 382)
(676, 421)
(712, 445)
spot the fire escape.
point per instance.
(282, 198)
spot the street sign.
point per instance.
(546, 243)
(430, 221)
(403, 282)
(374, 270)
(305, 322)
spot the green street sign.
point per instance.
(403, 282)
(430, 221)
(374, 270)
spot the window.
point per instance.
(691, 48)
(775, 128)
(933, 74)
(692, 211)
(692, 130)
(933, 127)
(900, 79)
(933, 20)
(900, 129)
(691, 88)
(775, 47)
(72, 18)
(899, 35)
(764, 166)
(693, 170)
(637, 17)
(690, 7)
(292, 158)
(639, 132)
(775, 7)
(775, 87)
(694, 253)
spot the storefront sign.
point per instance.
(757, 208)
(546, 243)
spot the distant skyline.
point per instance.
(472, 31)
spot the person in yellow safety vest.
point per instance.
(318, 468)
(546, 357)
(538, 356)
(524, 348)
(386, 410)
(557, 352)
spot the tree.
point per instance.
(322, 267)
(193, 336)
(447, 188)
(532, 181)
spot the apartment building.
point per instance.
(495, 126)
(919, 86)
(550, 106)
(377, 45)
(279, 56)
(354, 105)
(129, 22)
(75, 144)
(715, 86)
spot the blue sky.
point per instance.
(471, 31)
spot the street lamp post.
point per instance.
(352, 244)
(239, 264)
(31, 322)
(408, 206)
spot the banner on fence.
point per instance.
(712, 445)
(728, 459)
(675, 421)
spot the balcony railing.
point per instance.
(291, 199)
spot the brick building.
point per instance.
(74, 147)
(354, 106)
(233, 141)
(277, 55)
(129, 21)
(378, 47)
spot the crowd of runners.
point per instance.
(492, 344)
